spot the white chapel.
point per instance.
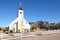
(19, 24)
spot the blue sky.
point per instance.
(34, 10)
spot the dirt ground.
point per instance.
(44, 37)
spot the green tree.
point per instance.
(34, 27)
(0, 29)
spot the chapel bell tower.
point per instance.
(20, 11)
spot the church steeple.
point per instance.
(20, 11)
(20, 8)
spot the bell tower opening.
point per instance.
(20, 12)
